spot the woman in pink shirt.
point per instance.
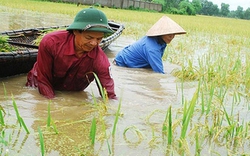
(68, 58)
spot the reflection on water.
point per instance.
(145, 97)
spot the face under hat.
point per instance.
(164, 26)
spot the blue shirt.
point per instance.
(144, 53)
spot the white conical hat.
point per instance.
(165, 25)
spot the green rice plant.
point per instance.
(16, 110)
(170, 133)
(226, 114)
(247, 74)
(49, 115)
(24, 125)
(233, 128)
(104, 129)
(19, 118)
(167, 126)
(50, 122)
(42, 145)
(164, 125)
(54, 127)
(189, 72)
(188, 113)
(116, 118)
(210, 98)
(102, 90)
(197, 144)
(1, 118)
(93, 131)
(202, 103)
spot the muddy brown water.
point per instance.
(145, 97)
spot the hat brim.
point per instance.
(165, 26)
(100, 29)
(81, 26)
(169, 33)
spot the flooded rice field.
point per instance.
(143, 121)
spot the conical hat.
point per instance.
(165, 25)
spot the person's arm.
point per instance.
(155, 60)
(44, 68)
(103, 71)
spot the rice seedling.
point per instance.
(50, 122)
(1, 117)
(116, 118)
(210, 98)
(167, 126)
(106, 138)
(197, 144)
(49, 115)
(42, 145)
(2, 111)
(187, 114)
(170, 133)
(93, 131)
(19, 118)
(102, 90)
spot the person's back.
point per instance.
(144, 53)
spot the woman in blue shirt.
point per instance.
(147, 52)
